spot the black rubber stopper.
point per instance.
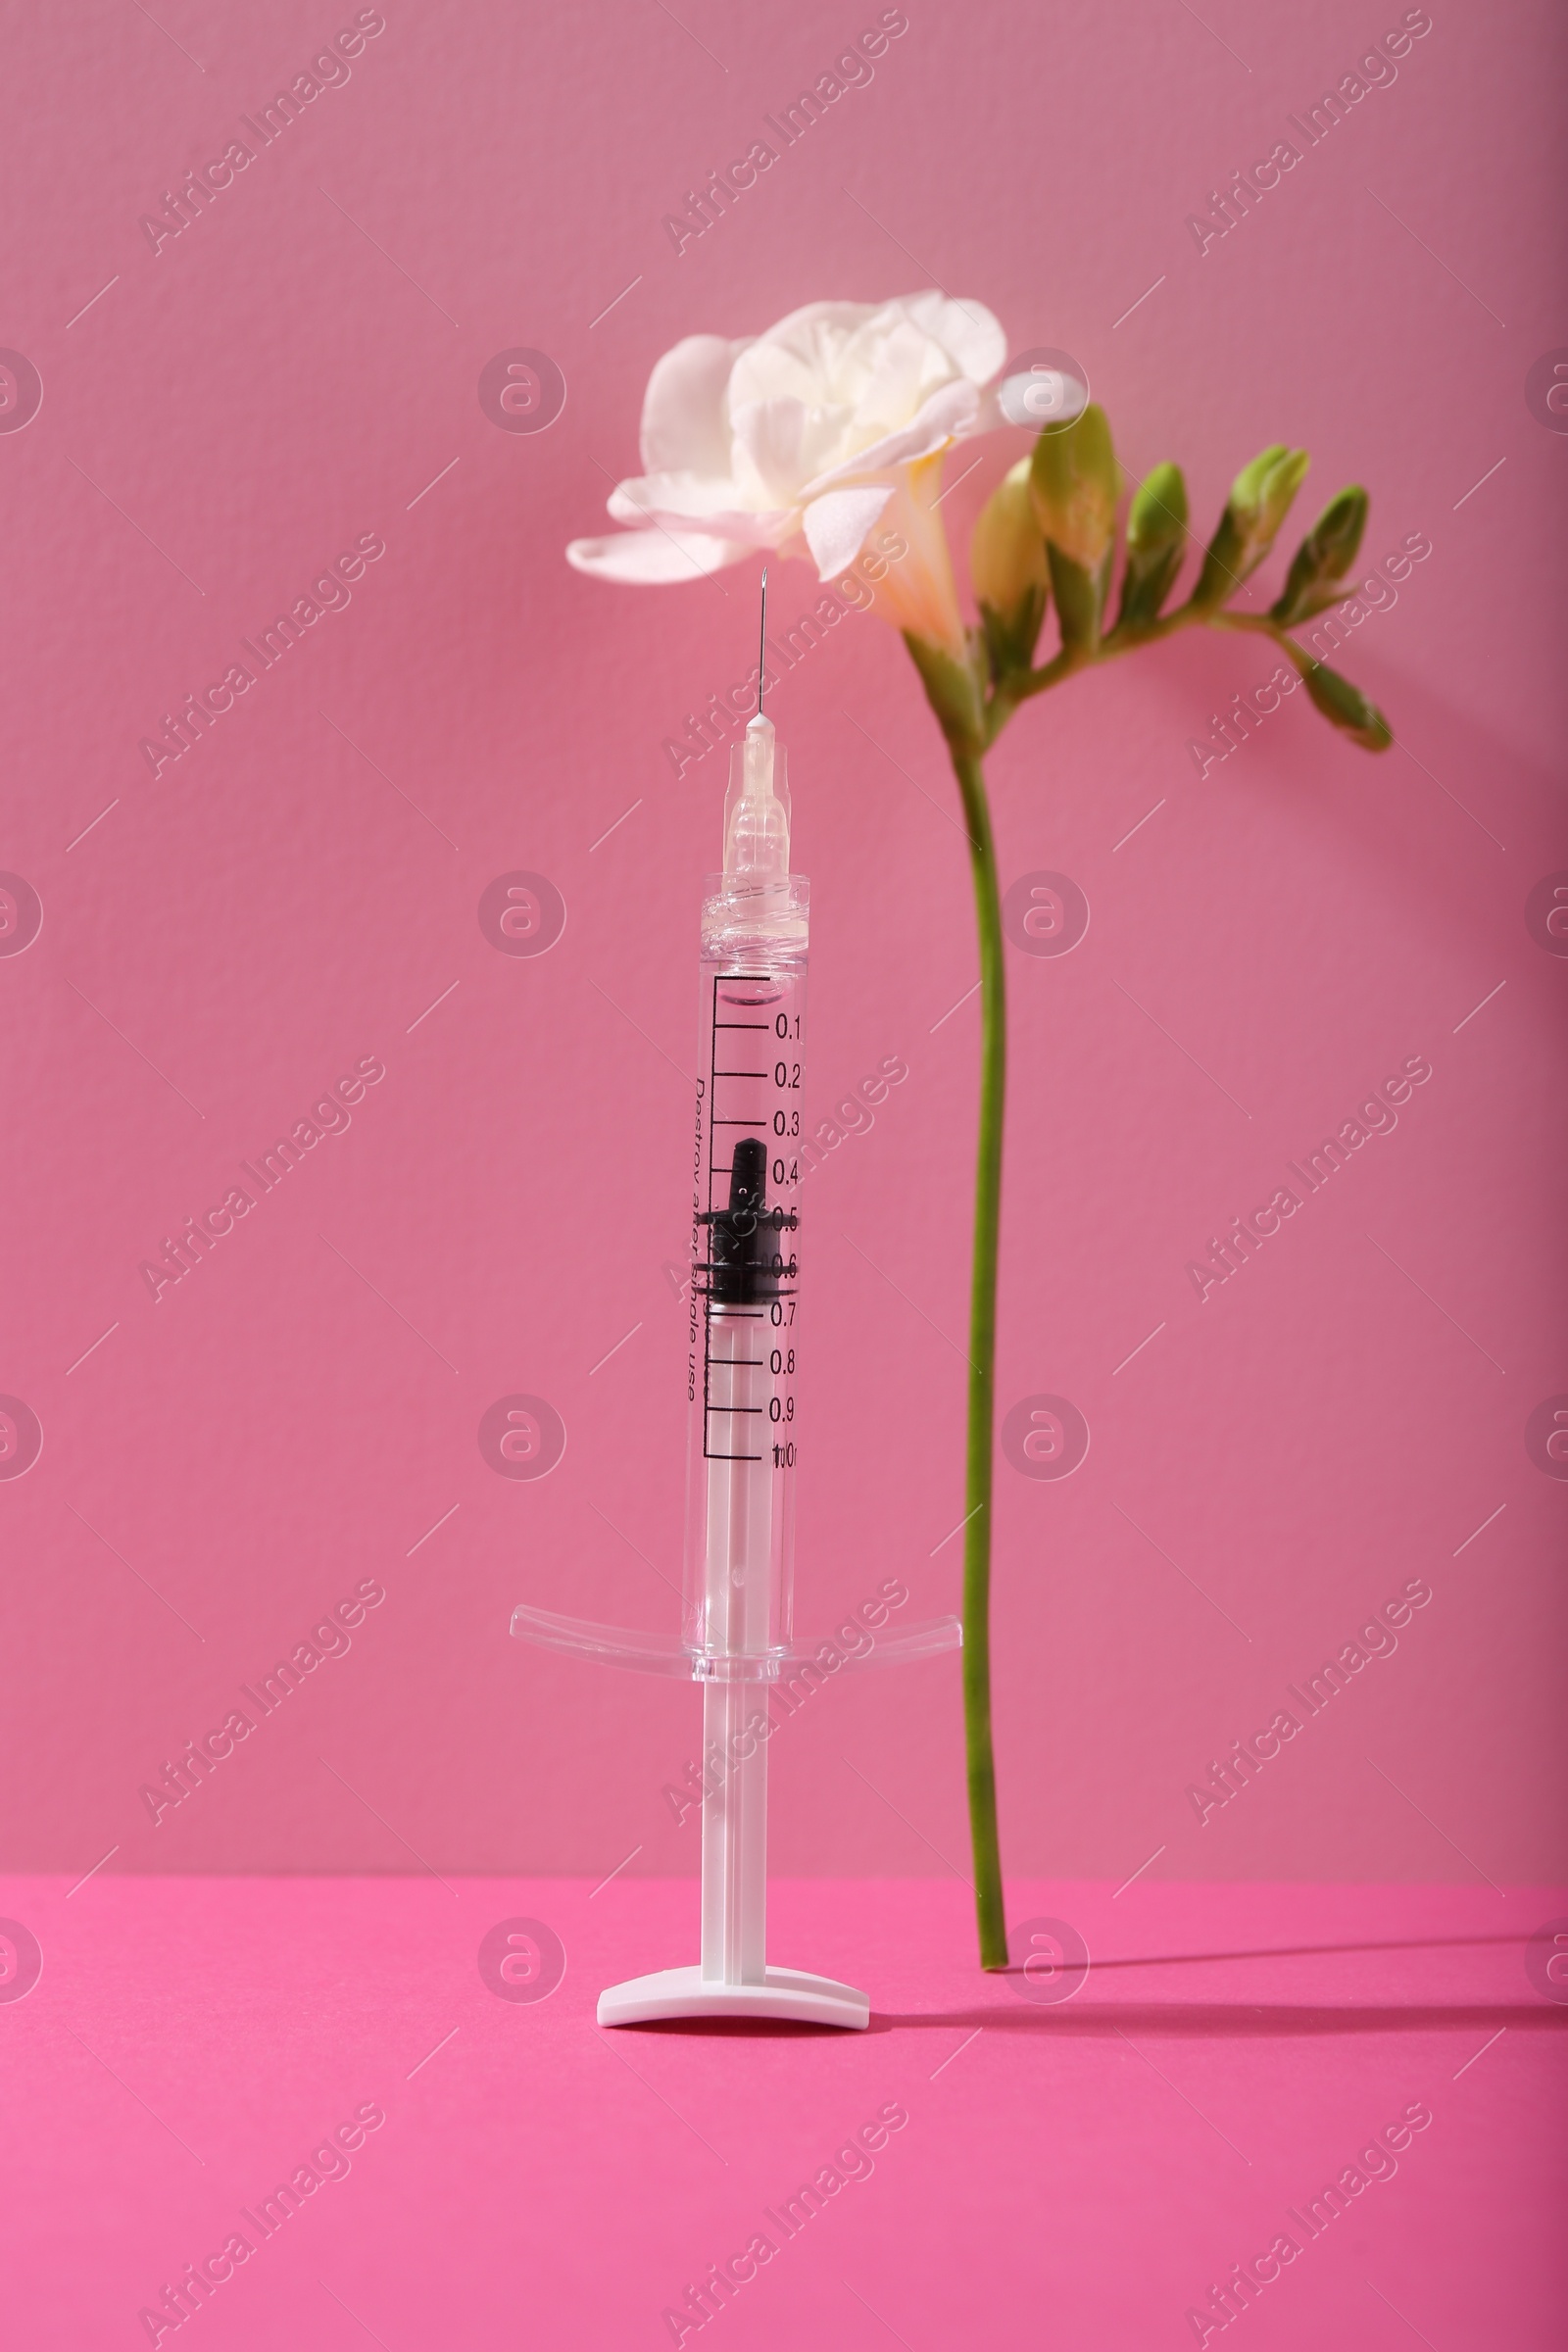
(749, 1261)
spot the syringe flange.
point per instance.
(630, 1648)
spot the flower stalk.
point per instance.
(1065, 531)
(980, 1453)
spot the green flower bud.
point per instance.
(1318, 567)
(1076, 481)
(1007, 566)
(1347, 707)
(1156, 534)
(1007, 554)
(1264, 491)
(1259, 501)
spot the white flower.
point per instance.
(804, 440)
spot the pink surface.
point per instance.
(1080, 2174)
(299, 372)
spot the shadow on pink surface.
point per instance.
(1234, 2014)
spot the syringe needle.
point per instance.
(762, 646)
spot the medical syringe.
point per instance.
(739, 1495)
(737, 1635)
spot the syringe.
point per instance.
(740, 1497)
(737, 1627)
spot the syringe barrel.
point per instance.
(743, 1332)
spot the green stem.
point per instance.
(990, 1915)
(970, 721)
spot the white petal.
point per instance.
(1045, 396)
(821, 356)
(798, 355)
(949, 414)
(836, 526)
(681, 502)
(765, 438)
(966, 330)
(899, 366)
(801, 326)
(654, 558)
(690, 497)
(781, 443)
(684, 427)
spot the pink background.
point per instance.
(300, 368)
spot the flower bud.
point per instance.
(1348, 707)
(1157, 536)
(1259, 503)
(1261, 495)
(1007, 552)
(1324, 557)
(1007, 566)
(1076, 481)
(1157, 517)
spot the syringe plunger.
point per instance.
(749, 1262)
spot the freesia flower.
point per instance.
(805, 439)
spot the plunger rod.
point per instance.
(739, 1565)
